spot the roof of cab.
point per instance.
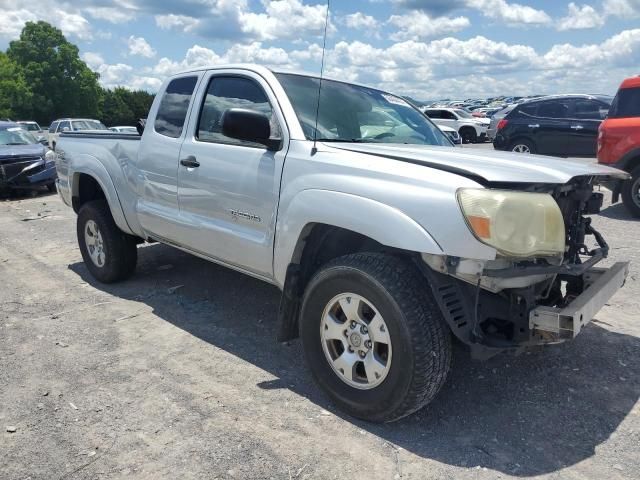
(6, 125)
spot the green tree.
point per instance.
(61, 82)
(124, 107)
(15, 95)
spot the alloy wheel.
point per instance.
(355, 340)
(95, 244)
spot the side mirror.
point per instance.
(140, 125)
(250, 126)
(43, 141)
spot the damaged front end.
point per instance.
(26, 172)
(514, 302)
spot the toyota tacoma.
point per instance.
(385, 240)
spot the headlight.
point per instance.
(517, 224)
(50, 156)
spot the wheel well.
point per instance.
(632, 163)
(318, 244)
(520, 139)
(88, 190)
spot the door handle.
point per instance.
(534, 126)
(190, 162)
(577, 127)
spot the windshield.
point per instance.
(32, 127)
(626, 104)
(16, 136)
(350, 113)
(463, 113)
(79, 125)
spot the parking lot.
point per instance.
(177, 374)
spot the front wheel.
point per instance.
(108, 252)
(468, 135)
(631, 193)
(374, 337)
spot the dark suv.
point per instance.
(562, 125)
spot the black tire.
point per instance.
(631, 193)
(522, 142)
(52, 187)
(421, 341)
(120, 249)
(468, 135)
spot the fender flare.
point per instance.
(90, 165)
(385, 224)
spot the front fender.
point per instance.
(382, 223)
(90, 165)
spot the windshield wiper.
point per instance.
(13, 144)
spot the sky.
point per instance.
(426, 49)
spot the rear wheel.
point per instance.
(373, 336)
(631, 193)
(522, 146)
(108, 252)
(51, 187)
(468, 135)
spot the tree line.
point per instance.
(42, 78)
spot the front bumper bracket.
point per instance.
(566, 323)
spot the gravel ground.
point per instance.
(176, 374)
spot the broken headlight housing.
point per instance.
(516, 224)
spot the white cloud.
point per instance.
(11, 22)
(360, 21)
(622, 8)
(73, 24)
(92, 59)
(512, 13)
(581, 17)
(419, 25)
(284, 18)
(111, 14)
(139, 46)
(177, 22)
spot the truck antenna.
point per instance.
(314, 150)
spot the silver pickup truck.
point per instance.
(385, 240)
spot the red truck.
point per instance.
(619, 143)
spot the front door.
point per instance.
(228, 189)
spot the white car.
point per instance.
(470, 128)
(34, 129)
(452, 133)
(132, 130)
(72, 125)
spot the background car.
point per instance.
(471, 129)
(453, 135)
(124, 129)
(24, 162)
(34, 129)
(72, 125)
(562, 125)
(619, 143)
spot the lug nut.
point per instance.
(350, 349)
(362, 354)
(353, 325)
(367, 344)
(364, 330)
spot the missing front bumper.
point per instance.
(549, 324)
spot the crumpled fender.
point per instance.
(382, 223)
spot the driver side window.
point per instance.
(224, 93)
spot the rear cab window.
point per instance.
(174, 106)
(626, 104)
(52, 128)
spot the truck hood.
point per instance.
(490, 166)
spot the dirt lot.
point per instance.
(176, 374)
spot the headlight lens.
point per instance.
(517, 224)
